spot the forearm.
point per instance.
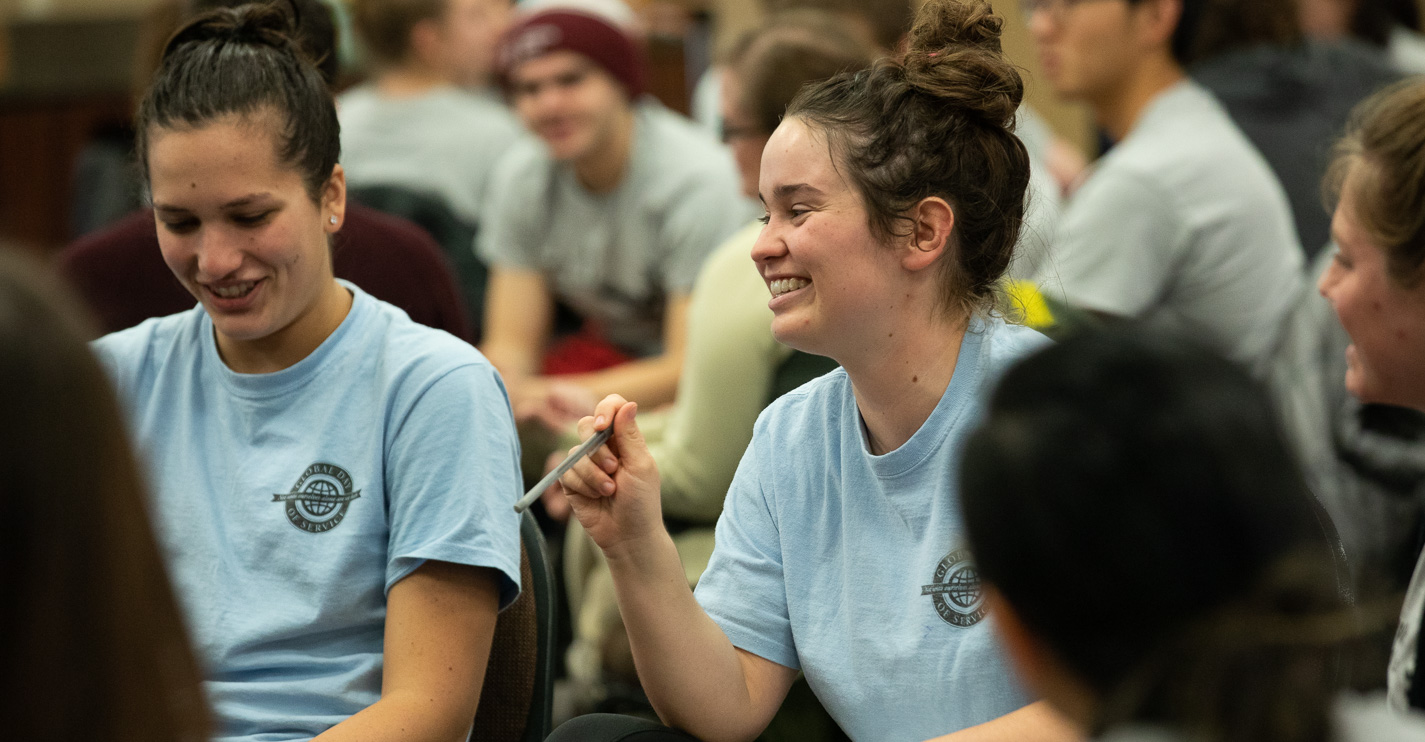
(404, 718)
(440, 621)
(1037, 722)
(692, 674)
(518, 315)
(513, 361)
(648, 381)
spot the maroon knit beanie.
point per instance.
(564, 29)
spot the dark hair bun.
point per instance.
(954, 54)
(254, 24)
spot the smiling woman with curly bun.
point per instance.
(894, 197)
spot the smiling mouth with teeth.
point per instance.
(235, 291)
(787, 285)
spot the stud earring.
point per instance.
(333, 220)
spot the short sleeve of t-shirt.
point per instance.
(452, 481)
(1117, 246)
(743, 589)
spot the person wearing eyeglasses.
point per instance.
(1182, 224)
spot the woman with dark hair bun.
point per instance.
(90, 635)
(332, 481)
(1152, 556)
(894, 199)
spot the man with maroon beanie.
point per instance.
(609, 208)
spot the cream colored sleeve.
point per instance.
(727, 375)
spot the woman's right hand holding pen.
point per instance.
(614, 491)
(695, 678)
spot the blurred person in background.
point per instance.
(1291, 96)
(882, 24)
(1392, 25)
(91, 638)
(428, 120)
(608, 209)
(1182, 224)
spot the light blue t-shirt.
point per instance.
(288, 503)
(852, 567)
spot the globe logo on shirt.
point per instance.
(956, 592)
(319, 500)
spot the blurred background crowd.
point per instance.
(674, 317)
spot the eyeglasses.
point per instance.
(730, 131)
(1057, 9)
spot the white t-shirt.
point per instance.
(1183, 226)
(287, 504)
(852, 567)
(615, 257)
(444, 143)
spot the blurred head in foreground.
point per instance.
(90, 636)
(1150, 549)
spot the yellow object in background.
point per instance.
(1026, 301)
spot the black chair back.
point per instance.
(455, 237)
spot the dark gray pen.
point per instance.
(584, 449)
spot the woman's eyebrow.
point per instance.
(787, 191)
(246, 200)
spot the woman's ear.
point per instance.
(333, 205)
(932, 222)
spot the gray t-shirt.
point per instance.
(1293, 102)
(615, 257)
(444, 143)
(1183, 226)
